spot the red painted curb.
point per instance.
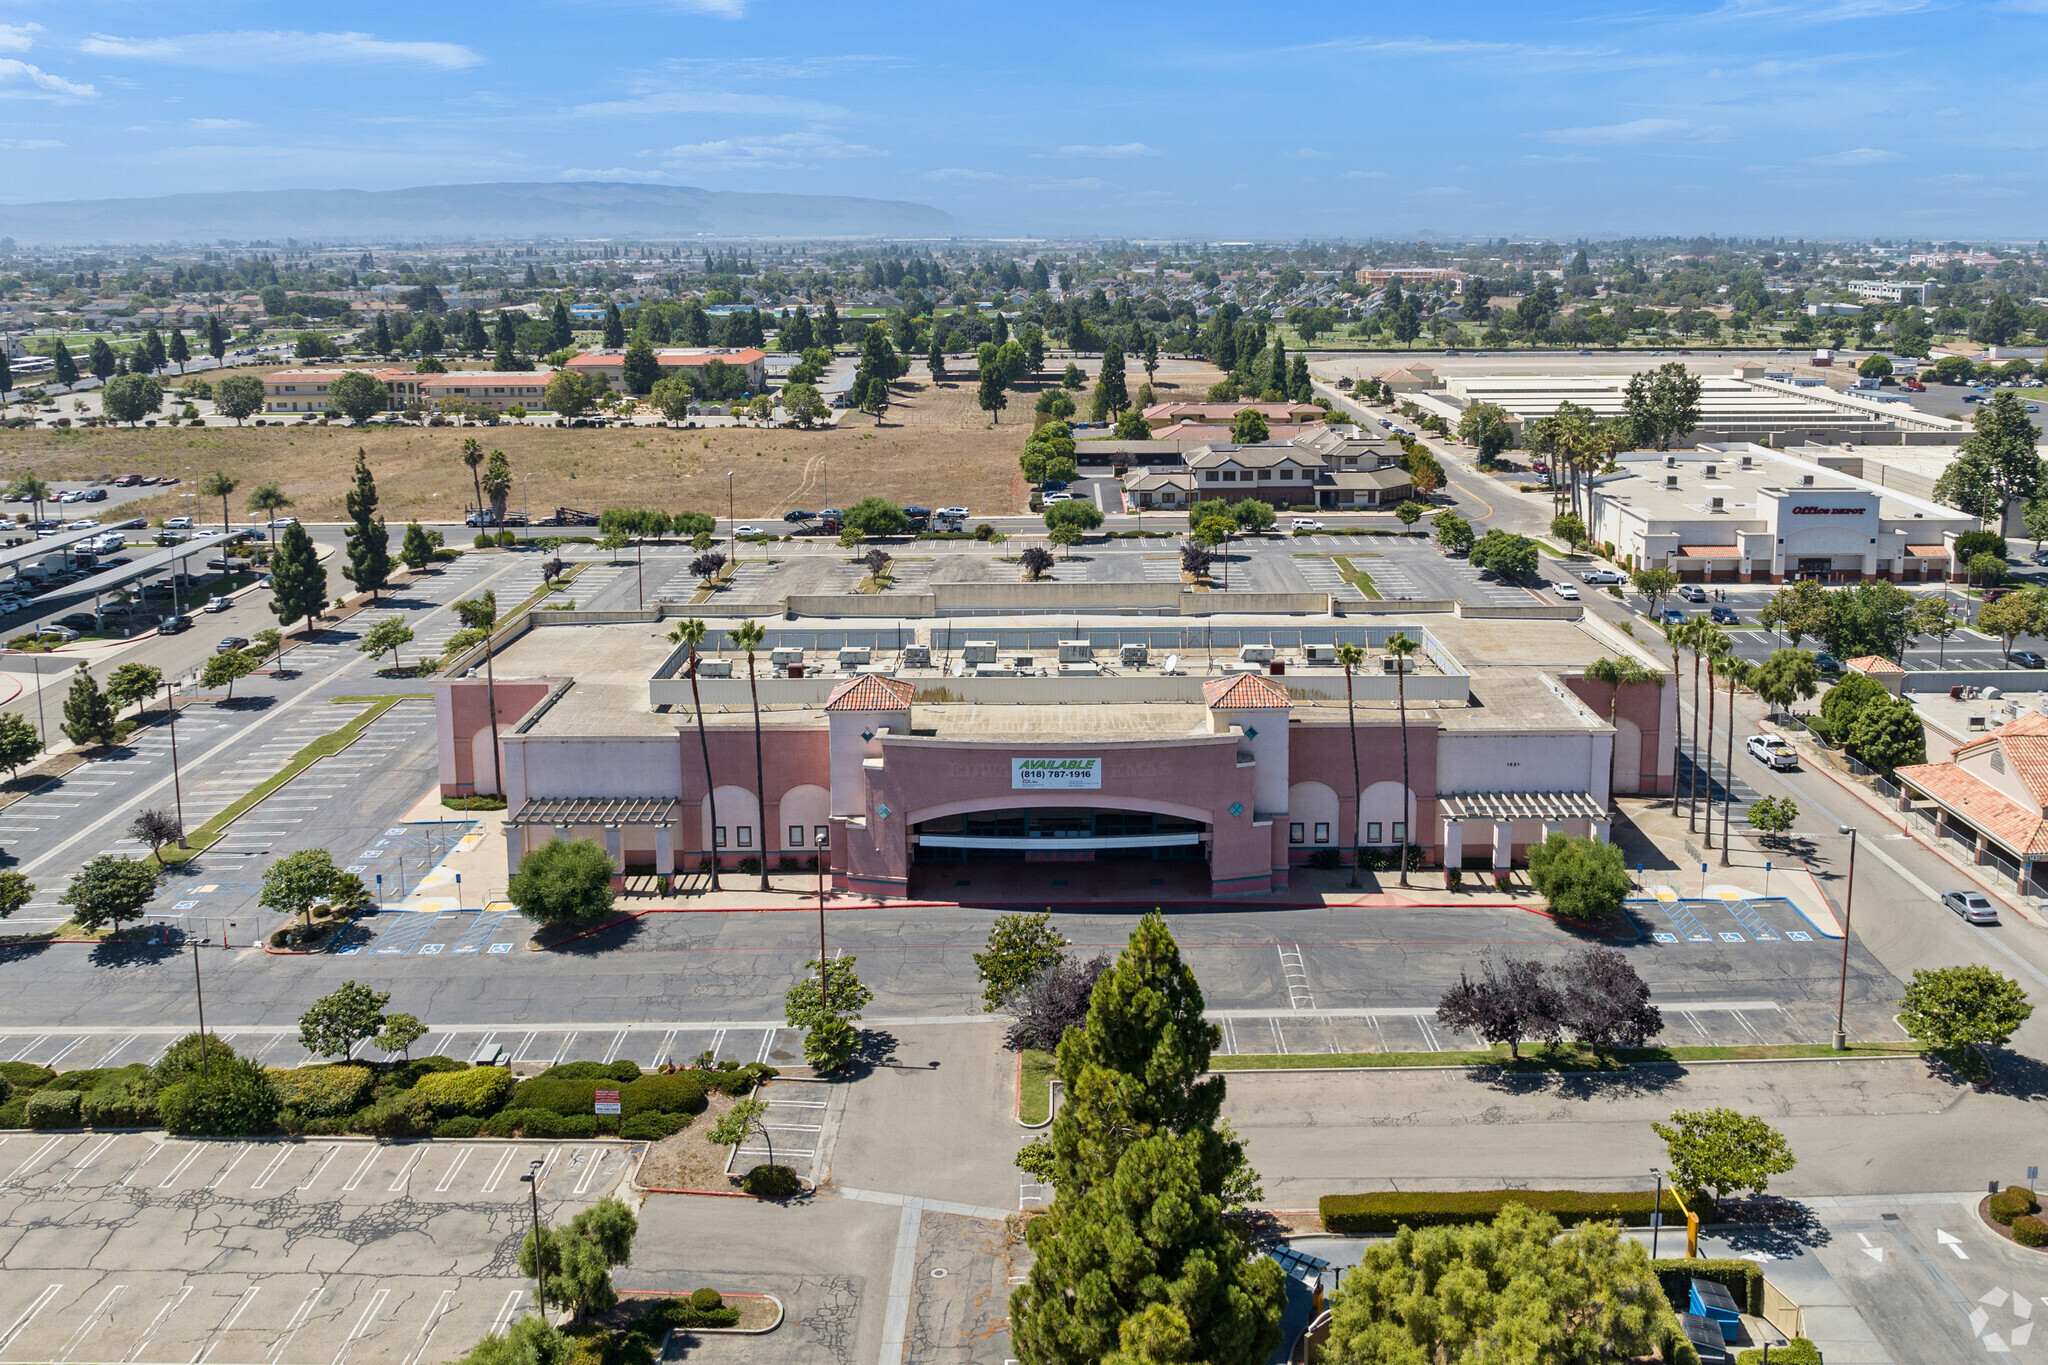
(709, 1194)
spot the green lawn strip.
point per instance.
(568, 575)
(1034, 1102)
(1355, 576)
(323, 747)
(1570, 1058)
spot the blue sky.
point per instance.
(1793, 117)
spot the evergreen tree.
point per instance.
(369, 544)
(88, 713)
(417, 552)
(505, 336)
(102, 359)
(828, 328)
(1110, 383)
(641, 368)
(559, 334)
(380, 336)
(6, 378)
(796, 333)
(1299, 387)
(473, 339)
(935, 361)
(298, 584)
(614, 328)
(179, 352)
(1276, 374)
(216, 337)
(67, 368)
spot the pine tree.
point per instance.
(102, 359)
(828, 329)
(559, 334)
(6, 376)
(473, 339)
(417, 551)
(298, 584)
(380, 336)
(153, 344)
(1276, 374)
(369, 544)
(1114, 397)
(67, 368)
(216, 337)
(180, 352)
(88, 714)
(1299, 386)
(614, 328)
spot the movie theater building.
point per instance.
(1115, 752)
(1749, 514)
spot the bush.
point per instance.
(478, 1092)
(461, 1126)
(14, 1113)
(771, 1182)
(25, 1075)
(405, 1075)
(2009, 1203)
(1381, 1214)
(653, 1127)
(321, 1092)
(750, 867)
(556, 1096)
(405, 1114)
(705, 1299)
(621, 1070)
(1324, 859)
(54, 1109)
(681, 1092)
(1798, 1351)
(741, 1079)
(125, 1098)
(234, 1100)
(539, 1123)
(2030, 1231)
(181, 1059)
(1744, 1280)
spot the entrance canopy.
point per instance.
(607, 811)
(1521, 806)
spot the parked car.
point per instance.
(2027, 658)
(1567, 592)
(230, 643)
(1771, 751)
(1826, 662)
(216, 604)
(177, 523)
(95, 495)
(749, 531)
(1724, 616)
(1692, 592)
(127, 481)
(1307, 524)
(1597, 576)
(1671, 616)
(80, 620)
(174, 625)
(61, 633)
(1974, 906)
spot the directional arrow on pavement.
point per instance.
(1952, 1242)
(1874, 1253)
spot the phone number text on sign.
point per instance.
(1065, 774)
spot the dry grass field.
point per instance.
(934, 447)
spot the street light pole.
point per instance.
(177, 788)
(1848, 912)
(1656, 1211)
(824, 845)
(540, 1269)
(732, 523)
(199, 993)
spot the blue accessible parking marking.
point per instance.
(501, 947)
(1733, 938)
(1665, 938)
(1799, 936)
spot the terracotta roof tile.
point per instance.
(1983, 805)
(1871, 663)
(1244, 692)
(870, 692)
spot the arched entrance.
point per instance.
(1018, 842)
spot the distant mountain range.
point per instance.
(465, 213)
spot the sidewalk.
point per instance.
(1669, 858)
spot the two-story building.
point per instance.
(310, 391)
(610, 366)
(1332, 468)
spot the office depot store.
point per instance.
(1221, 773)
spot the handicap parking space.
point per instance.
(1724, 919)
(494, 931)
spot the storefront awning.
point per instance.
(1710, 551)
(1521, 806)
(607, 811)
(1927, 551)
(1058, 841)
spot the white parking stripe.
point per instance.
(90, 1322)
(405, 1171)
(156, 1324)
(42, 1301)
(362, 1324)
(234, 1161)
(491, 1185)
(362, 1168)
(307, 1183)
(90, 1157)
(440, 1310)
(454, 1168)
(34, 1157)
(271, 1170)
(291, 1329)
(179, 1169)
(504, 1316)
(227, 1322)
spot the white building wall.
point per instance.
(1510, 761)
(616, 765)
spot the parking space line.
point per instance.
(52, 1062)
(362, 1324)
(603, 1154)
(434, 1317)
(137, 1167)
(668, 1042)
(611, 1053)
(481, 1047)
(362, 1168)
(263, 1178)
(559, 1051)
(22, 1169)
(179, 1169)
(497, 1323)
(90, 1157)
(27, 1314)
(109, 1053)
(227, 1322)
(768, 1043)
(405, 1171)
(90, 1322)
(233, 1161)
(298, 1320)
(307, 1183)
(157, 1323)
(491, 1185)
(519, 1053)
(34, 1043)
(454, 1168)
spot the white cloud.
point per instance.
(218, 124)
(710, 102)
(1637, 130)
(280, 47)
(1819, 11)
(1567, 159)
(21, 81)
(1856, 156)
(724, 9)
(781, 152)
(15, 37)
(1088, 182)
(1113, 152)
(29, 144)
(1306, 154)
(1958, 178)
(950, 173)
(1441, 192)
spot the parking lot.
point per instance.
(132, 1247)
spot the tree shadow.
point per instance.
(1769, 1225)
(1623, 1082)
(160, 945)
(877, 1050)
(1261, 1228)
(246, 703)
(620, 933)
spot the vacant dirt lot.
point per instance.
(934, 447)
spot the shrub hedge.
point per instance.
(622, 1070)
(123, 1099)
(2010, 1203)
(25, 1075)
(1744, 1281)
(2030, 1231)
(1383, 1213)
(540, 1123)
(461, 1126)
(680, 1092)
(321, 1092)
(477, 1093)
(771, 1182)
(54, 1109)
(1798, 1351)
(653, 1127)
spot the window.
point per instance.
(718, 837)
(1372, 832)
(823, 835)
(1230, 476)
(1286, 474)
(1265, 476)
(747, 835)
(1209, 476)
(1294, 833)
(1322, 832)
(796, 836)
(1400, 832)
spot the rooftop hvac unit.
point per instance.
(1133, 655)
(1022, 661)
(1086, 668)
(1397, 663)
(1255, 654)
(784, 655)
(1748, 461)
(1713, 471)
(1717, 504)
(1319, 654)
(1671, 481)
(714, 668)
(1076, 651)
(979, 652)
(917, 656)
(1806, 480)
(1671, 462)
(853, 656)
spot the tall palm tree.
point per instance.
(473, 456)
(1401, 647)
(1615, 673)
(1351, 656)
(1676, 634)
(748, 635)
(1708, 643)
(34, 489)
(266, 502)
(691, 633)
(219, 485)
(1739, 673)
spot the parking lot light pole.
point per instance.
(177, 788)
(824, 844)
(540, 1285)
(732, 522)
(1656, 1211)
(1848, 912)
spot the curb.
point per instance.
(780, 1313)
(1470, 1067)
(1214, 903)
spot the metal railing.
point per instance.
(1885, 788)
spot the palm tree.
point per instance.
(1614, 674)
(1351, 656)
(1400, 647)
(1676, 634)
(219, 485)
(266, 502)
(1709, 643)
(691, 633)
(1739, 673)
(473, 456)
(748, 635)
(34, 489)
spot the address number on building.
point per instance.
(1059, 774)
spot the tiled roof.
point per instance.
(870, 692)
(1872, 663)
(1244, 692)
(1710, 551)
(1982, 805)
(2025, 744)
(1927, 551)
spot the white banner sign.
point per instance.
(1060, 774)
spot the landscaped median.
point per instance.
(1385, 1212)
(326, 746)
(1564, 1058)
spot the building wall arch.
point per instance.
(1381, 804)
(1029, 800)
(736, 807)
(1310, 804)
